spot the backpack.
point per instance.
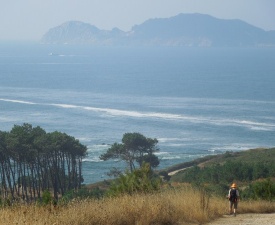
(233, 195)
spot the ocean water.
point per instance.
(195, 101)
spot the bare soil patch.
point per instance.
(246, 219)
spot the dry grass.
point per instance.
(183, 205)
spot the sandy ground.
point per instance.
(246, 219)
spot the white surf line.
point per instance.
(117, 112)
(167, 116)
(228, 122)
(18, 101)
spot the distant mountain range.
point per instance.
(194, 30)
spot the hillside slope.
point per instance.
(263, 157)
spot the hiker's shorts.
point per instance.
(235, 204)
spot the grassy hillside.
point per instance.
(260, 155)
(179, 205)
(253, 170)
(252, 155)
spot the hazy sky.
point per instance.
(30, 19)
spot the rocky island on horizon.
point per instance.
(191, 30)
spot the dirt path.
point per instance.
(246, 219)
(175, 171)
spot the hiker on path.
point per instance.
(233, 197)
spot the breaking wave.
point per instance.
(250, 124)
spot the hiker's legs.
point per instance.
(235, 207)
(230, 207)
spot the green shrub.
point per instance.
(260, 190)
(46, 197)
(140, 180)
(83, 193)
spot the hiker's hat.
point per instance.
(234, 185)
